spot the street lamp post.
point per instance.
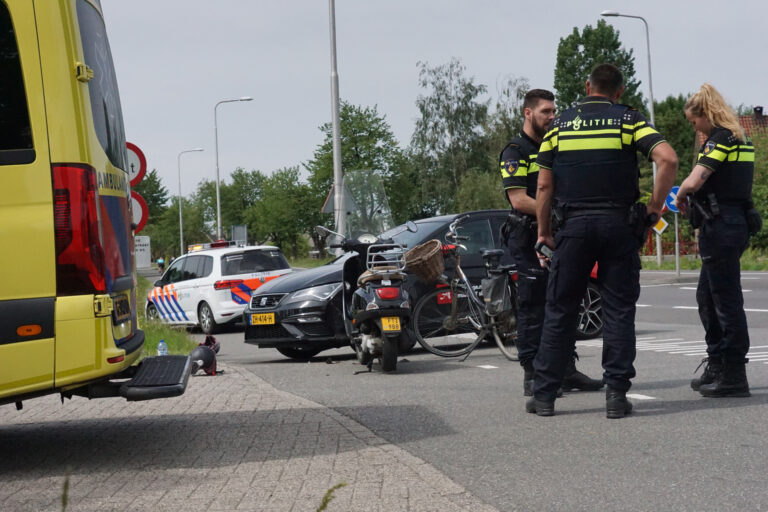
(181, 224)
(338, 187)
(216, 144)
(650, 94)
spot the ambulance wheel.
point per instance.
(152, 313)
(205, 317)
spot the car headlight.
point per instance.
(316, 293)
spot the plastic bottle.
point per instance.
(162, 348)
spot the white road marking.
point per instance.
(688, 288)
(638, 396)
(654, 285)
(643, 305)
(488, 367)
(685, 307)
(756, 310)
(659, 341)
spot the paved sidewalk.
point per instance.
(231, 442)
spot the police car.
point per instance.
(211, 285)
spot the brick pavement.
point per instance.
(231, 442)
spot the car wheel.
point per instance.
(152, 313)
(299, 353)
(590, 314)
(205, 318)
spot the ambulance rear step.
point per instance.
(158, 377)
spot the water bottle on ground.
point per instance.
(162, 348)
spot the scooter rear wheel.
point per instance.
(389, 354)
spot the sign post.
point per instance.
(670, 202)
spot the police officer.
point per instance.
(721, 184)
(588, 165)
(519, 174)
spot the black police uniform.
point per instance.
(520, 171)
(591, 150)
(722, 241)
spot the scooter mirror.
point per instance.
(411, 226)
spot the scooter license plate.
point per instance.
(390, 323)
(262, 318)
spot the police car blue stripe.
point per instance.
(162, 307)
(180, 308)
(169, 307)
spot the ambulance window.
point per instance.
(15, 130)
(105, 99)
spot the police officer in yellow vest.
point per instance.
(588, 165)
(721, 206)
(519, 174)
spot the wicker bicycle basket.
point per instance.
(426, 261)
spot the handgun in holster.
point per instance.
(699, 213)
(641, 222)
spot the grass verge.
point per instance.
(309, 262)
(752, 259)
(177, 339)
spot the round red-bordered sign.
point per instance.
(140, 211)
(136, 163)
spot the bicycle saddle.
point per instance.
(492, 253)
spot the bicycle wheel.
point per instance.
(440, 333)
(504, 328)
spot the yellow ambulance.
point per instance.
(67, 275)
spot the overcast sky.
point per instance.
(176, 59)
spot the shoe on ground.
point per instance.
(731, 382)
(616, 403)
(579, 381)
(540, 407)
(713, 367)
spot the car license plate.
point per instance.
(262, 318)
(390, 323)
(121, 309)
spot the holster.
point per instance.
(521, 227)
(699, 212)
(640, 222)
(754, 219)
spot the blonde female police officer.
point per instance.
(721, 188)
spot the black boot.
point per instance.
(540, 407)
(713, 368)
(731, 381)
(574, 379)
(616, 403)
(528, 378)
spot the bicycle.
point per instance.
(453, 319)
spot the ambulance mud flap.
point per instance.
(158, 377)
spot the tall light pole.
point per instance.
(650, 94)
(338, 187)
(181, 224)
(216, 143)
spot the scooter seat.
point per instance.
(380, 274)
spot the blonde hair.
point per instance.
(708, 102)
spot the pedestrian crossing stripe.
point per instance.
(680, 346)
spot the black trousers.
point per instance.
(531, 296)
(609, 241)
(722, 241)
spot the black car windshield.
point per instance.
(410, 240)
(247, 262)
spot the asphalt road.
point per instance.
(679, 451)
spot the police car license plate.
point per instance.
(390, 323)
(262, 318)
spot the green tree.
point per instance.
(672, 124)
(367, 142)
(760, 185)
(449, 139)
(507, 118)
(579, 52)
(154, 193)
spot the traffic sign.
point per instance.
(660, 226)
(139, 210)
(136, 163)
(670, 200)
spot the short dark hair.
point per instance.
(606, 78)
(533, 97)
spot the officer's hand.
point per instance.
(681, 203)
(549, 241)
(651, 211)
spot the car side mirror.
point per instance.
(411, 226)
(159, 282)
